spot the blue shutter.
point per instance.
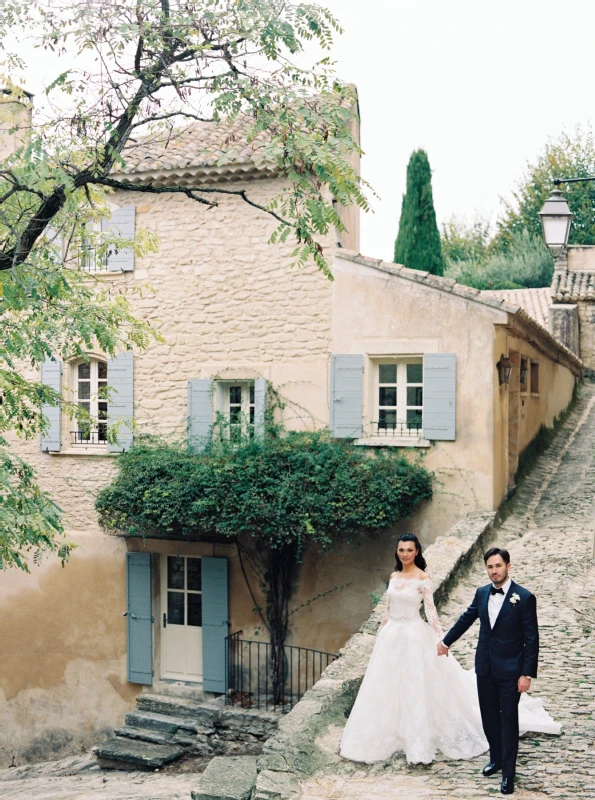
(200, 412)
(120, 379)
(139, 618)
(121, 223)
(347, 388)
(215, 619)
(51, 375)
(440, 386)
(260, 396)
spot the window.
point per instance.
(239, 409)
(524, 371)
(400, 398)
(89, 259)
(90, 392)
(534, 377)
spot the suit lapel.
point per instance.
(484, 605)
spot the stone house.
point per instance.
(383, 355)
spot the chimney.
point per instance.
(15, 119)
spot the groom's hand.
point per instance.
(442, 649)
(524, 684)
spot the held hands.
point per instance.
(524, 684)
(443, 650)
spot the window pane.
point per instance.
(175, 608)
(175, 572)
(102, 411)
(252, 393)
(235, 433)
(251, 415)
(102, 433)
(387, 397)
(195, 609)
(102, 392)
(193, 567)
(415, 396)
(84, 390)
(102, 370)
(387, 419)
(85, 371)
(235, 394)
(415, 373)
(388, 373)
(235, 415)
(413, 419)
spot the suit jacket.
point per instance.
(509, 649)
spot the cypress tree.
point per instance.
(418, 241)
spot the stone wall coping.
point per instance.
(292, 751)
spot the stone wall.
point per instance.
(298, 747)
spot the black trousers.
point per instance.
(499, 705)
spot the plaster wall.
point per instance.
(521, 413)
(376, 314)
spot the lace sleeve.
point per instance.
(384, 619)
(429, 607)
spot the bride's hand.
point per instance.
(442, 649)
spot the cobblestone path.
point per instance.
(549, 532)
(80, 778)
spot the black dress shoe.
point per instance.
(507, 786)
(491, 769)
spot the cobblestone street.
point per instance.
(549, 531)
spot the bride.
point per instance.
(411, 700)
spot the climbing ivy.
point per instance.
(273, 496)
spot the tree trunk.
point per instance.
(282, 568)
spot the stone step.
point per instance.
(227, 778)
(123, 753)
(160, 722)
(143, 734)
(173, 706)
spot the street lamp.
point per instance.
(556, 218)
(504, 367)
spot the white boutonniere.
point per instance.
(515, 598)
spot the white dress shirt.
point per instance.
(496, 602)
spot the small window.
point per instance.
(239, 409)
(90, 393)
(534, 377)
(89, 258)
(524, 371)
(400, 398)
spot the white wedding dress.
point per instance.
(416, 702)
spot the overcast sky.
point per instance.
(480, 85)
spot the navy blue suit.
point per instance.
(504, 653)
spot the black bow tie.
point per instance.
(493, 590)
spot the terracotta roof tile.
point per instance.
(535, 302)
(568, 287)
(214, 148)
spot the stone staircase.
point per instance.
(160, 730)
(163, 728)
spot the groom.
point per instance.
(505, 659)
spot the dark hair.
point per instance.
(419, 561)
(497, 551)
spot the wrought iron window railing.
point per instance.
(398, 429)
(249, 673)
(89, 437)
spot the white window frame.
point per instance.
(90, 438)
(400, 435)
(246, 406)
